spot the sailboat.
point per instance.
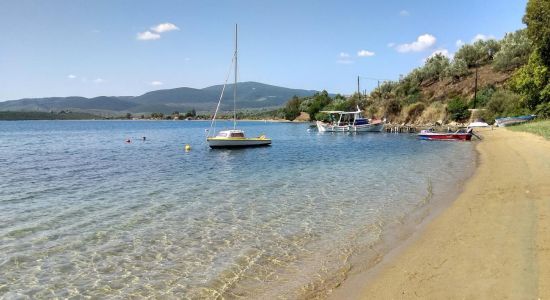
(233, 138)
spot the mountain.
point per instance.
(251, 95)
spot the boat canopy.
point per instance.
(340, 112)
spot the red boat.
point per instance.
(459, 135)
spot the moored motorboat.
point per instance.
(459, 135)
(352, 121)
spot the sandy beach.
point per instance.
(492, 243)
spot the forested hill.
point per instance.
(251, 95)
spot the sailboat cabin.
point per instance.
(230, 134)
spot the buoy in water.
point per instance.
(187, 147)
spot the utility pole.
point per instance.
(475, 88)
(358, 88)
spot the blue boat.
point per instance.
(503, 122)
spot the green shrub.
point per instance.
(456, 69)
(457, 109)
(543, 110)
(514, 52)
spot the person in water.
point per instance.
(128, 140)
(144, 138)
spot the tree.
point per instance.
(457, 69)
(435, 66)
(292, 108)
(128, 116)
(514, 51)
(478, 53)
(532, 82)
(457, 109)
(537, 19)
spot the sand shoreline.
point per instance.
(492, 242)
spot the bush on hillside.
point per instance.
(413, 112)
(456, 69)
(433, 113)
(484, 95)
(514, 52)
(392, 108)
(457, 109)
(503, 103)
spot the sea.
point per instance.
(85, 214)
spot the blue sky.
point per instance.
(93, 47)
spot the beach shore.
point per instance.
(493, 242)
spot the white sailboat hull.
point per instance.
(237, 143)
(324, 127)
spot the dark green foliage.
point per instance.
(484, 95)
(503, 103)
(515, 50)
(457, 109)
(392, 108)
(532, 81)
(537, 19)
(543, 110)
(292, 108)
(319, 101)
(157, 115)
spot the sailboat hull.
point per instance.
(215, 142)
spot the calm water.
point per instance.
(84, 214)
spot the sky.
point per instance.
(129, 47)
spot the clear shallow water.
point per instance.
(84, 214)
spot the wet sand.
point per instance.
(492, 243)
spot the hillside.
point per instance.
(464, 87)
(251, 95)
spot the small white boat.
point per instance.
(236, 139)
(349, 122)
(478, 123)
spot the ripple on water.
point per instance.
(85, 215)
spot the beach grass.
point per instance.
(541, 128)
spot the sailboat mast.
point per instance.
(235, 84)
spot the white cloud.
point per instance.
(365, 53)
(71, 76)
(99, 80)
(164, 27)
(404, 13)
(344, 58)
(147, 36)
(422, 43)
(459, 43)
(390, 45)
(157, 83)
(482, 37)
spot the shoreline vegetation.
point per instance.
(492, 242)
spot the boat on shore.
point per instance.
(349, 122)
(503, 122)
(459, 135)
(234, 138)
